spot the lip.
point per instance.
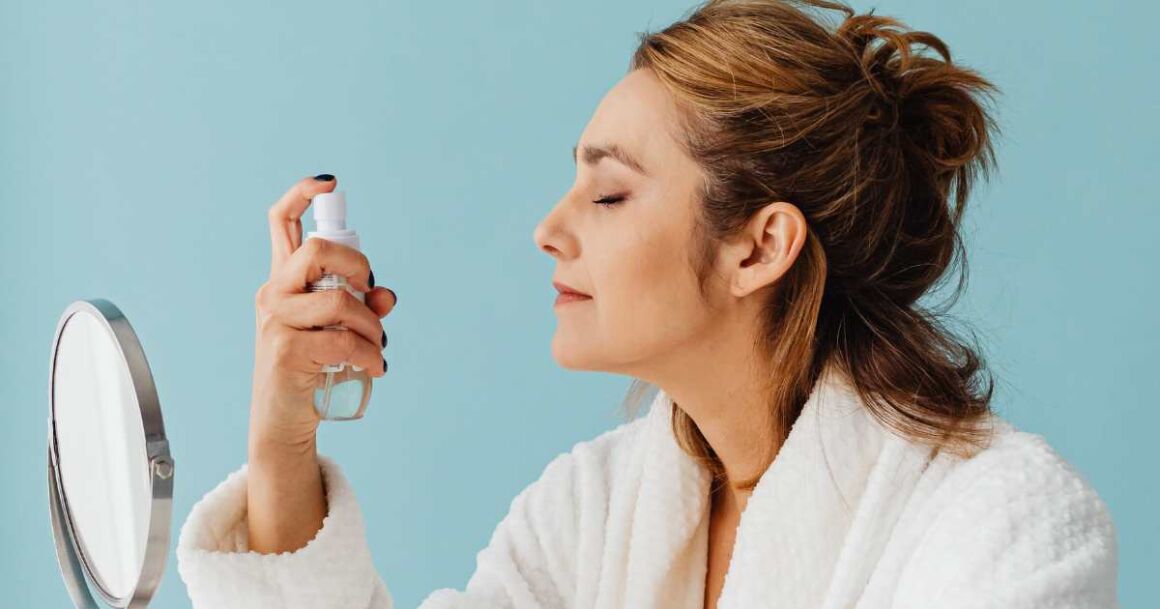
(565, 289)
(566, 297)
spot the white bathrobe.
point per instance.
(849, 515)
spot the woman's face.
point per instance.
(631, 251)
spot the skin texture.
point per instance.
(646, 318)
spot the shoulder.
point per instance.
(589, 466)
(540, 547)
(1020, 521)
(1017, 477)
(569, 500)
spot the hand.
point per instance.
(291, 344)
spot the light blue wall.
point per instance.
(142, 142)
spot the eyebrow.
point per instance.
(593, 154)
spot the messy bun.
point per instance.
(878, 145)
(926, 136)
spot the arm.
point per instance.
(333, 570)
(285, 500)
(529, 562)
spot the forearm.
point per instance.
(285, 498)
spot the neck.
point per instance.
(719, 381)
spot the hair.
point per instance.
(871, 140)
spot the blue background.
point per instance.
(143, 142)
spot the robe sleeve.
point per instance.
(529, 562)
(1027, 531)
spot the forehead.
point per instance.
(640, 115)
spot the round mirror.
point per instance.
(109, 468)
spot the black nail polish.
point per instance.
(384, 364)
(394, 295)
(371, 280)
(324, 177)
(384, 339)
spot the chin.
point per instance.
(572, 356)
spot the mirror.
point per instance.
(110, 474)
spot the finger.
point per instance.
(329, 347)
(381, 300)
(316, 310)
(285, 218)
(317, 257)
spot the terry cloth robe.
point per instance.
(848, 515)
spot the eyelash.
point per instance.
(609, 200)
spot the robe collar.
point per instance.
(838, 466)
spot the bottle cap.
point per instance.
(330, 219)
(330, 209)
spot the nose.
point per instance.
(540, 236)
(550, 236)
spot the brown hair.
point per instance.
(871, 140)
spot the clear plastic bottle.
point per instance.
(343, 389)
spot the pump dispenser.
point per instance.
(343, 389)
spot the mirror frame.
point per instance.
(74, 564)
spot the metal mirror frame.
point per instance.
(74, 564)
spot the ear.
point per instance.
(765, 249)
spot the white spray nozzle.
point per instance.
(330, 219)
(329, 211)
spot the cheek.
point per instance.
(649, 292)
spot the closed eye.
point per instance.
(609, 200)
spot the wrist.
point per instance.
(280, 438)
(272, 449)
(286, 495)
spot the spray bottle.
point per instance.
(343, 389)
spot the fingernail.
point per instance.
(384, 339)
(394, 295)
(372, 279)
(384, 364)
(324, 177)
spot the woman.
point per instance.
(758, 206)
